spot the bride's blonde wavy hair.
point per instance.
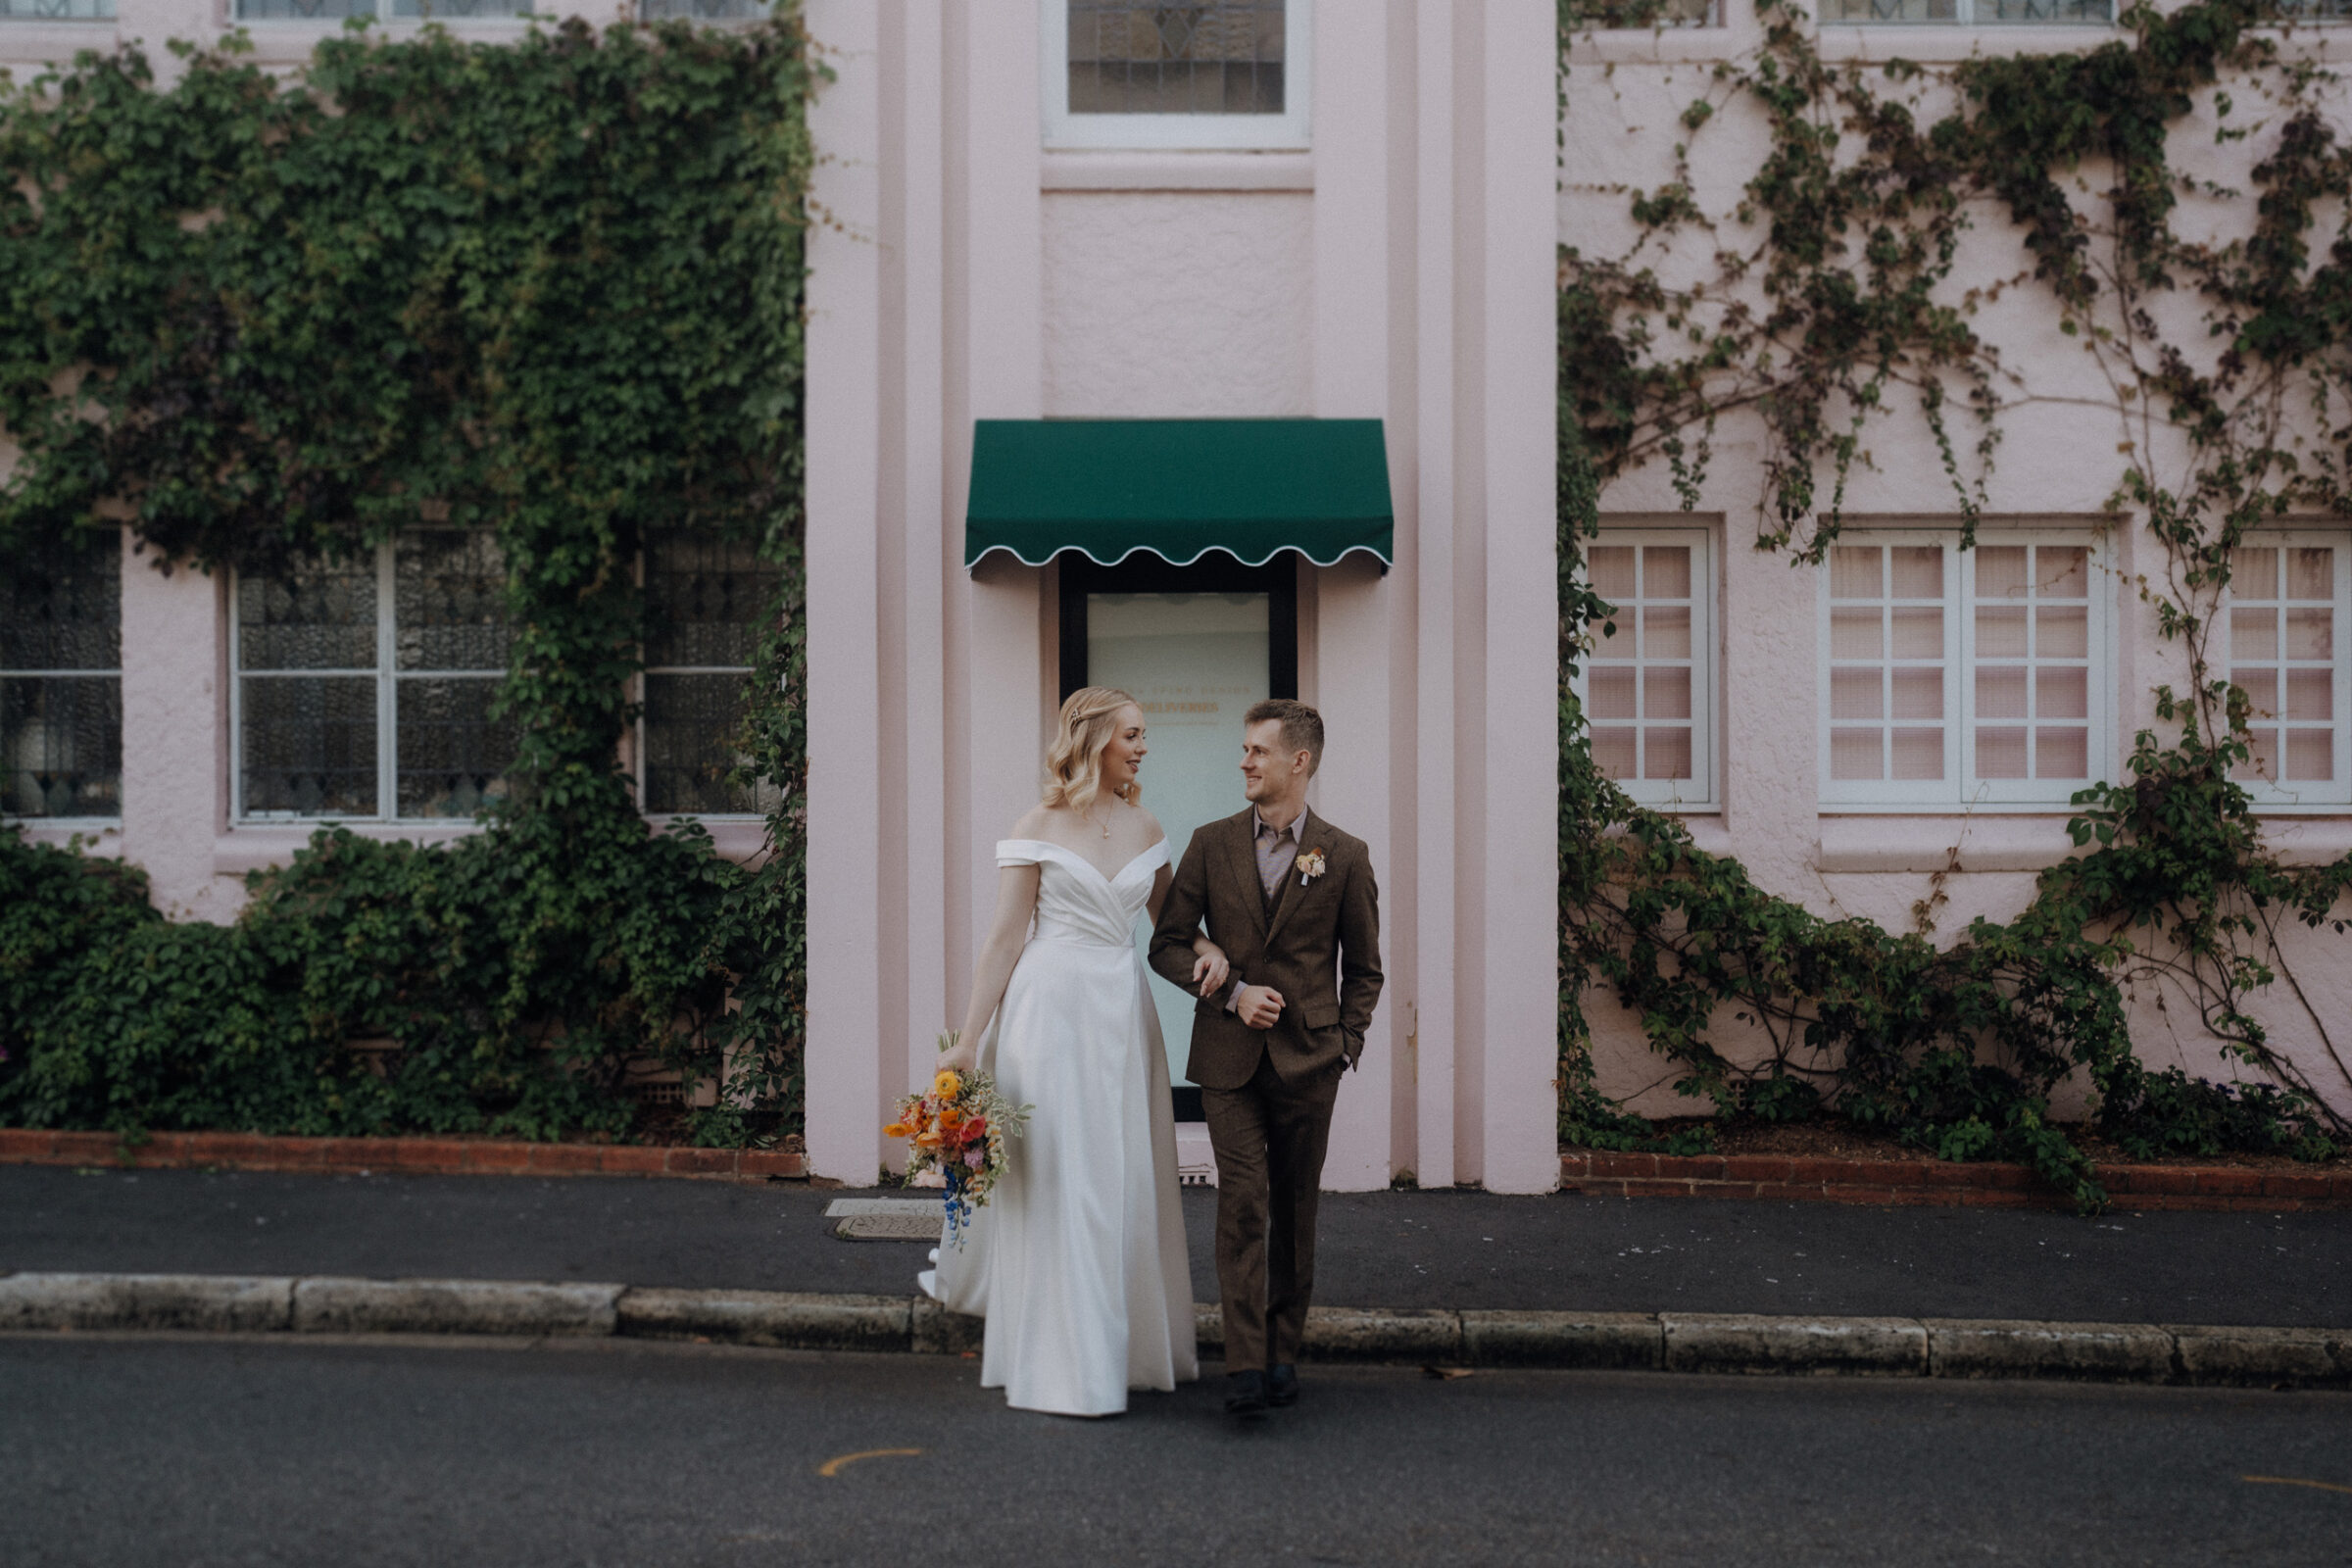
(1074, 764)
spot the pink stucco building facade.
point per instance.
(1384, 248)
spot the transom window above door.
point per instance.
(1955, 677)
(1127, 73)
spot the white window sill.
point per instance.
(1175, 170)
(267, 846)
(1915, 843)
(100, 835)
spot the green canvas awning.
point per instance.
(1179, 489)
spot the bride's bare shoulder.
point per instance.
(1034, 823)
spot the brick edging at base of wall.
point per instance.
(1988, 1184)
(424, 1156)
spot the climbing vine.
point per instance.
(549, 290)
(1825, 299)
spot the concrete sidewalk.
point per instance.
(1447, 1251)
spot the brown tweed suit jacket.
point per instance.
(1320, 947)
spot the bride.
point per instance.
(1078, 1261)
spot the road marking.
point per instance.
(2294, 1481)
(832, 1467)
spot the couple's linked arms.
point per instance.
(1008, 933)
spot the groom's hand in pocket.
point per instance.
(1258, 1005)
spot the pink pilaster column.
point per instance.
(1518, 964)
(1431, 1014)
(1352, 621)
(845, 1088)
(918, 204)
(176, 735)
(1004, 679)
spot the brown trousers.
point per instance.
(1269, 1139)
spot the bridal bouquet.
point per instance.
(959, 1130)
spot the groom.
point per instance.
(1291, 902)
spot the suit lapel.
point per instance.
(1317, 837)
(1241, 858)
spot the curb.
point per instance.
(2193, 1354)
(415, 1156)
(1936, 1182)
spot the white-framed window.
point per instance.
(705, 603)
(1128, 74)
(1969, 13)
(2282, 631)
(1648, 684)
(57, 10)
(1964, 678)
(61, 682)
(362, 689)
(702, 9)
(1619, 16)
(396, 10)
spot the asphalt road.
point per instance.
(1399, 1250)
(183, 1452)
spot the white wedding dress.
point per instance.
(1078, 1261)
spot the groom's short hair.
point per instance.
(1301, 727)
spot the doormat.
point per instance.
(886, 1219)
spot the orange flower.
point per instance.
(897, 1129)
(927, 1141)
(949, 1119)
(947, 1086)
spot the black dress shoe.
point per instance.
(1282, 1387)
(1245, 1393)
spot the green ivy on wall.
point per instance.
(1831, 298)
(550, 289)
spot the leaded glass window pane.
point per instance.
(1603, 15)
(303, 10)
(307, 745)
(449, 591)
(316, 615)
(702, 9)
(690, 728)
(59, 10)
(61, 683)
(1128, 56)
(60, 745)
(1981, 13)
(707, 603)
(453, 754)
(61, 609)
(412, 10)
(704, 600)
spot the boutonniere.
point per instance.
(1310, 867)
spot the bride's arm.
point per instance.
(1016, 901)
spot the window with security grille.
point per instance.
(2282, 629)
(1606, 15)
(58, 9)
(702, 9)
(364, 687)
(707, 603)
(1649, 683)
(1955, 677)
(1130, 74)
(1970, 13)
(61, 681)
(403, 10)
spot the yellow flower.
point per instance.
(947, 1086)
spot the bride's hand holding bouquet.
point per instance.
(960, 1129)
